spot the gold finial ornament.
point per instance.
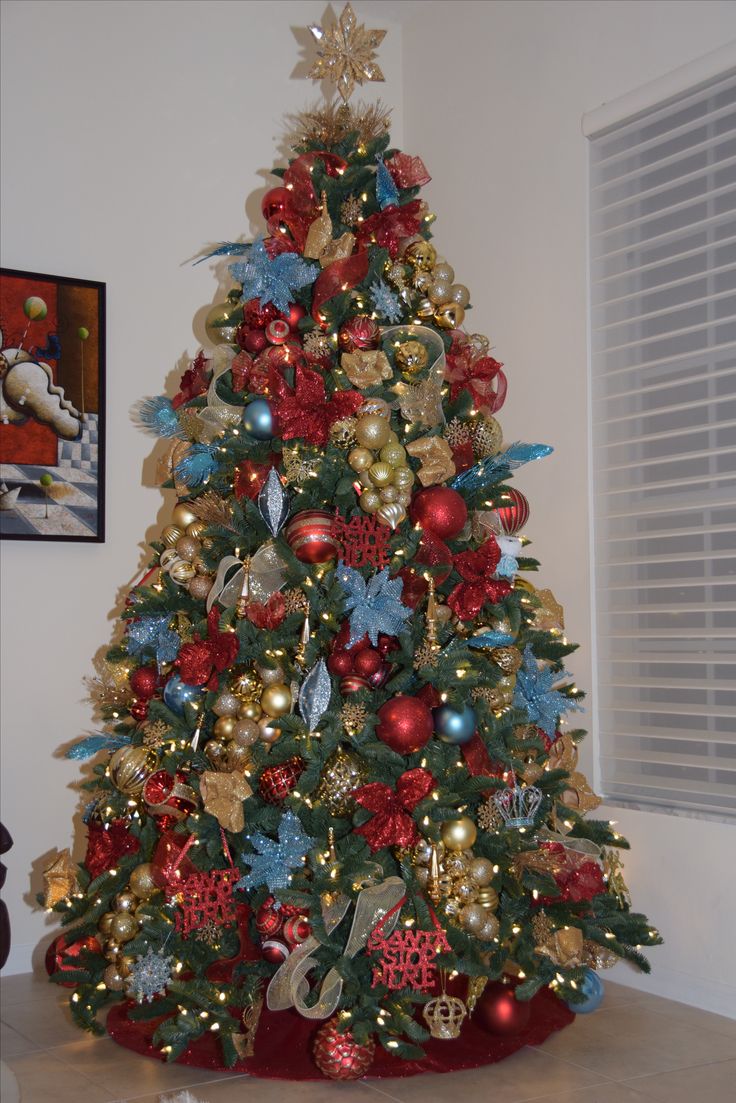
(346, 53)
(241, 608)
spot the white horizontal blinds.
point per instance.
(663, 332)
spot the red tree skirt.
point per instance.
(283, 1044)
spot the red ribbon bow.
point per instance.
(387, 227)
(305, 411)
(476, 374)
(200, 660)
(391, 824)
(476, 567)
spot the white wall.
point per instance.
(132, 134)
(494, 94)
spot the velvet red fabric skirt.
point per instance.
(283, 1044)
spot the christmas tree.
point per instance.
(335, 820)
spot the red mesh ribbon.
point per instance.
(302, 208)
(468, 598)
(392, 824)
(388, 227)
(305, 411)
(200, 660)
(407, 171)
(107, 845)
(577, 876)
(481, 376)
(341, 275)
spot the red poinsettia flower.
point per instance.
(269, 615)
(386, 228)
(476, 567)
(305, 411)
(200, 660)
(194, 381)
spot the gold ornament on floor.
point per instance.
(444, 1015)
(60, 879)
(346, 53)
(223, 795)
(435, 456)
(366, 367)
(353, 716)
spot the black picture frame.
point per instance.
(52, 375)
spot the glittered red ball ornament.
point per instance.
(294, 315)
(250, 339)
(276, 782)
(61, 956)
(275, 202)
(439, 509)
(367, 662)
(404, 724)
(338, 1056)
(512, 511)
(139, 711)
(499, 1012)
(311, 536)
(274, 951)
(379, 677)
(340, 663)
(360, 332)
(143, 682)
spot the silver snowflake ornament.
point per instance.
(149, 976)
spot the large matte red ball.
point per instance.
(404, 724)
(143, 682)
(441, 510)
(367, 662)
(499, 1012)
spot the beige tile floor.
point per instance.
(636, 1048)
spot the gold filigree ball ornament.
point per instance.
(487, 437)
(246, 683)
(129, 767)
(343, 773)
(420, 255)
(509, 659)
(342, 432)
(411, 357)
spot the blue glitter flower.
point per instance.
(536, 694)
(158, 417)
(153, 634)
(385, 303)
(495, 468)
(198, 464)
(273, 280)
(273, 861)
(374, 607)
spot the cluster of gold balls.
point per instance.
(464, 886)
(181, 559)
(501, 695)
(246, 712)
(442, 300)
(379, 461)
(121, 925)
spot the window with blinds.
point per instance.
(663, 408)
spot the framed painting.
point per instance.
(52, 407)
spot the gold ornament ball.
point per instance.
(247, 683)
(422, 876)
(125, 963)
(187, 548)
(443, 271)
(421, 254)
(372, 431)
(381, 473)
(439, 292)
(472, 917)
(196, 530)
(111, 949)
(200, 586)
(508, 658)
(200, 566)
(422, 852)
(481, 871)
(459, 834)
(360, 459)
(104, 923)
(487, 437)
(129, 767)
(388, 494)
(142, 882)
(250, 710)
(223, 727)
(490, 928)
(465, 891)
(343, 773)
(422, 279)
(267, 733)
(245, 733)
(425, 308)
(459, 294)
(223, 319)
(457, 864)
(237, 757)
(488, 898)
(216, 754)
(403, 478)
(411, 357)
(391, 514)
(364, 478)
(393, 453)
(370, 501)
(270, 675)
(126, 901)
(276, 699)
(170, 535)
(183, 516)
(449, 315)
(377, 406)
(182, 572)
(113, 979)
(124, 927)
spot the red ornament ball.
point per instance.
(144, 682)
(276, 782)
(405, 724)
(139, 711)
(340, 663)
(277, 331)
(296, 930)
(251, 339)
(441, 510)
(61, 957)
(360, 332)
(353, 683)
(274, 951)
(380, 676)
(499, 1012)
(294, 315)
(311, 536)
(512, 511)
(338, 1056)
(367, 662)
(275, 203)
(268, 920)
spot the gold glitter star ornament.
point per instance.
(346, 53)
(60, 879)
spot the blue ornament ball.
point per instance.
(455, 725)
(177, 694)
(592, 989)
(258, 419)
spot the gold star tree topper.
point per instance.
(346, 54)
